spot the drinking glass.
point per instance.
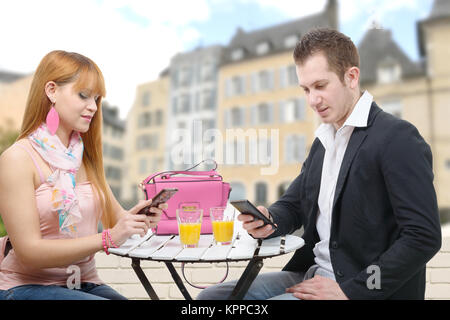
(222, 224)
(189, 226)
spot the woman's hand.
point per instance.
(132, 223)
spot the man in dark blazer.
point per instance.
(364, 196)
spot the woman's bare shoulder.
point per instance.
(15, 158)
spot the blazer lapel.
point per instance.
(315, 174)
(357, 138)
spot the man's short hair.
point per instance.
(340, 51)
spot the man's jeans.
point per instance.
(267, 286)
(87, 291)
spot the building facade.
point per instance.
(193, 105)
(266, 125)
(13, 97)
(146, 136)
(113, 148)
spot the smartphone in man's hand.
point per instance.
(246, 207)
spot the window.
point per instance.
(264, 81)
(208, 124)
(158, 117)
(146, 99)
(295, 149)
(389, 72)
(262, 48)
(145, 120)
(207, 100)
(237, 54)
(174, 105)
(113, 173)
(292, 76)
(185, 104)
(261, 193)
(185, 76)
(265, 150)
(147, 141)
(293, 110)
(264, 114)
(115, 153)
(207, 71)
(237, 191)
(143, 166)
(237, 117)
(237, 85)
(290, 41)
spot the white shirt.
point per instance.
(335, 144)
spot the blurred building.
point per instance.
(14, 89)
(263, 116)
(249, 91)
(113, 148)
(193, 104)
(145, 142)
(418, 92)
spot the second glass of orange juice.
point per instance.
(189, 226)
(222, 224)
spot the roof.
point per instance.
(8, 77)
(378, 47)
(111, 116)
(439, 11)
(276, 35)
(441, 8)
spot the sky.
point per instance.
(133, 41)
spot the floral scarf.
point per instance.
(65, 163)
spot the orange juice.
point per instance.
(223, 230)
(189, 233)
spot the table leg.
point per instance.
(136, 264)
(246, 279)
(178, 281)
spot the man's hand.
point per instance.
(253, 225)
(318, 288)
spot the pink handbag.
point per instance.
(200, 189)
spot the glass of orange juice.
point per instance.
(189, 226)
(222, 224)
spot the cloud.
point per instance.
(128, 50)
(291, 8)
(133, 40)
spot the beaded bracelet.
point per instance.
(110, 238)
(104, 242)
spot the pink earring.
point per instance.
(52, 120)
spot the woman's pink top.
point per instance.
(14, 273)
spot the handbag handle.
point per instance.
(210, 173)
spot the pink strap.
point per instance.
(34, 161)
(211, 173)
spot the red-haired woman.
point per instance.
(53, 190)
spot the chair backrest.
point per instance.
(5, 246)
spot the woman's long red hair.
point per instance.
(66, 67)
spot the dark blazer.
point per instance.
(385, 211)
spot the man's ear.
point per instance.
(50, 90)
(352, 77)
